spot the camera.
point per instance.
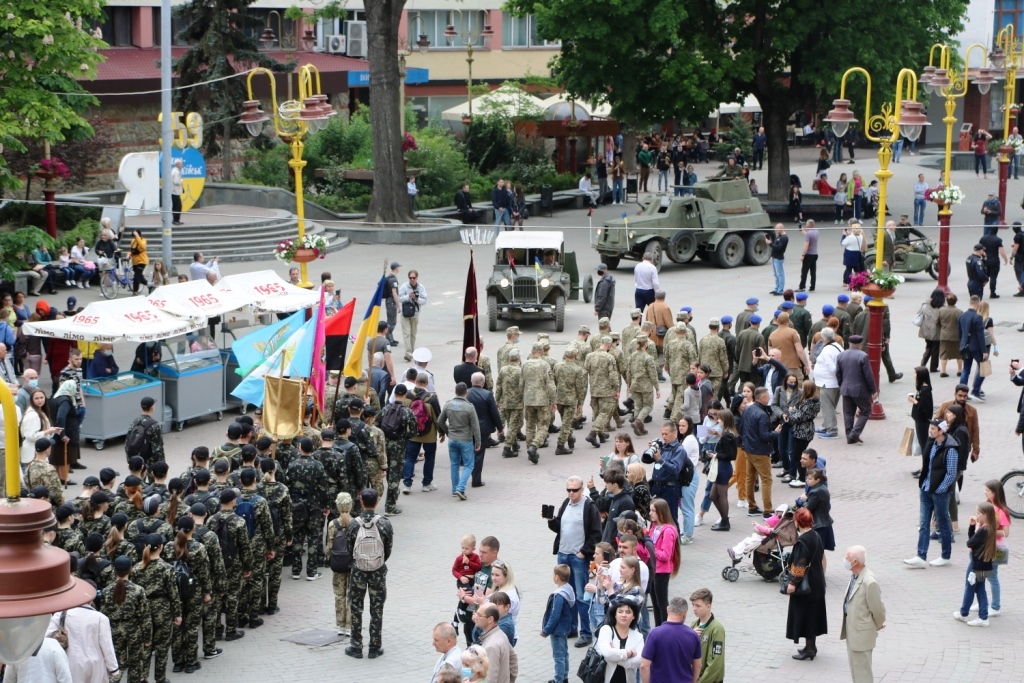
(653, 447)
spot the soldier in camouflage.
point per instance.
(230, 450)
(512, 337)
(360, 436)
(570, 392)
(395, 445)
(643, 384)
(330, 398)
(254, 587)
(604, 379)
(203, 495)
(280, 503)
(237, 556)
(713, 353)
(307, 483)
(581, 345)
(156, 578)
(485, 367)
(377, 466)
(185, 638)
(620, 364)
(375, 582)
(218, 580)
(538, 400)
(131, 625)
(285, 453)
(725, 391)
(41, 473)
(680, 352)
(647, 330)
(343, 464)
(151, 523)
(153, 447)
(630, 331)
(508, 393)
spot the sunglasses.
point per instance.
(575, 490)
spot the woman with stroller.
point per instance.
(818, 501)
(808, 616)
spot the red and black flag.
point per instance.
(336, 332)
(470, 319)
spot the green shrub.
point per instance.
(338, 204)
(15, 245)
(443, 163)
(68, 216)
(268, 167)
(343, 143)
(88, 229)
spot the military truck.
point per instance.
(532, 277)
(720, 222)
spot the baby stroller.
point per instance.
(770, 557)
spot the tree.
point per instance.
(44, 53)
(658, 60)
(219, 34)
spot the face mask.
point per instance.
(33, 383)
(467, 672)
(108, 352)
(848, 565)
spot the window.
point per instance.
(432, 23)
(117, 26)
(522, 32)
(1008, 12)
(177, 25)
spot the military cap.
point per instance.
(635, 313)
(606, 339)
(714, 322)
(512, 330)
(584, 329)
(801, 296)
(604, 322)
(726, 319)
(828, 309)
(615, 336)
(752, 301)
(513, 354)
(679, 327)
(755, 320)
(538, 347)
(787, 305)
(843, 298)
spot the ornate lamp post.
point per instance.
(423, 45)
(35, 579)
(293, 120)
(883, 128)
(468, 37)
(950, 84)
(1009, 55)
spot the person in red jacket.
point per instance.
(467, 564)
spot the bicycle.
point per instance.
(111, 282)
(1013, 487)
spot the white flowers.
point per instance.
(47, 39)
(10, 16)
(950, 194)
(84, 67)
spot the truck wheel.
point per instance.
(683, 247)
(656, 251)
(933, 268)
(729, 252)
(757, 250)
(588, 288)
(611, 261)
(560, 314)
(492, 314)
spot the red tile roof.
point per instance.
(135, 64)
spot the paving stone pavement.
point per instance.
(874, 501)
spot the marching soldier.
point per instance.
(604, 378)
(378, 465)
(278, 499)
(643, 384)
(538, 399)
(730, 348)
(156, 578)
(263, 532)
(218, 579)
(570, 391)
(713, 353)
(307, 484)
(485, 366)
(581, 345)
(236, 551)
(131, 625)
(512, 337)
(508, 393)
(185, 638)
(604, 328)
(680, 353)
(395, 445)
(230, 450)
(630, 331)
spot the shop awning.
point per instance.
(270, 292)
(198, 298)
(413, 76)
(132, 319)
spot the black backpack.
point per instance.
(135, 443)
(139, 540)
(686, 472)
(275, 516)
(341, 557)
(227, 542)
(391, 422)
(187, 584)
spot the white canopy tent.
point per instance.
(132, 319)
(268, 291)
(601, 111)
(199, 299)
(750, 105)
(512, 100)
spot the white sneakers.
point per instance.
(699, 521)
(940, 562)
(959, 617)
(977, 622)
(741, 504)
(428, 488)
(916, 563)
(406, 490)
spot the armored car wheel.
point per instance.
(611, 261)
(492, 314)
(560, 314)
(656, 251)
(683, 247)
(729, 252)
(757, 252)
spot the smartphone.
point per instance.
(607, 556)
(547, 511)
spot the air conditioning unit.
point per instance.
(334, 44)
(355, 31)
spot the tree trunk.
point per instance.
(389, 202)
(775, 120)
(226, 151)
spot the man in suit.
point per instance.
(971, 327)
(863, 615)
(464, 372)
(857, 387)
(490, 421)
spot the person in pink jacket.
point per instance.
(666, 553)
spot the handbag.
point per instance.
(61, 634)
(919, 318)
(985, 368)
(803, 588)
(409, 309)
(592, 667)
(1002, 552)
(907, 442)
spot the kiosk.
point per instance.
(193, 384)
(113, 402)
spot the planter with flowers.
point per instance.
(51, 168)
(948, 196)
(878, 284)
(306, 250)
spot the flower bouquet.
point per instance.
(951, 194)
(52, 168)
(877, 283)
(309, 248)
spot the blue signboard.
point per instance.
(413, 76)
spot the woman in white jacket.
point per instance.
(620, 643)
(35, 424)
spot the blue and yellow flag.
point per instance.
(256, 347)
(293, 358)
(367, 330)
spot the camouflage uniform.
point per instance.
(345, 471)
(570, 392)
(218, 585)
(643, 379)
(233, 570)
(377, 466)
(396, 457)
(278, 498)
(374, 582)
(150, 525)
(538, 397)
(330, 400)
(311, 434)
(629, 333)
(714, 354)
(680, 353)
(130, 627)
(508, 393)
(604, 378)
(307, 483)
(164, 607)
(185, 638)
(209, 498)
(229, 451)
(342, 611)
(42, 473)
(484, 363)
(153, 450)
(285, 454)
(502, 355)
(254, 587)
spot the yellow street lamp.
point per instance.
(884, 128)
(468, 35)
(951, 84)
(293, 120)
(1007, 56)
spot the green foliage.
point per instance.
(488, 143)
(15, 245)
(740, 134)
(87, 228)
(343, 143)
(268, 166)
(444, 166)
(68, 216)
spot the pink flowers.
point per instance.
(858, 280)
(53, 168)
(409, 143)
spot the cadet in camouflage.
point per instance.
(131, 626)
(714, 353)
(211, 609)
(280, 500)
(508, 393)
(643, 386)
(680, 353)
(538, 399)
(604, 379)
(237, 556)
(396, 446)
(374, 582)
(185, 638)
(512, 336)
(254, 586)
(156, 578)
(41, 473)
(377, 466)
(307, 484)
(570, 392)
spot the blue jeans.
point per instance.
(412, 449)
(560, 653)
(993, 581)
(689, 499)
(970, 592)
(982, 161)
(617, 194)
(785, 446)
(966, 375)
(937, 503)
(580, 568)
(670, 492)
(778, 267)
(460, 453)
(991, 228)
(645, 618)
(705, 503)
(663, 176)
(919, 205)
(837, 151)
(897, 150)
(1014, 166)
(501, 216)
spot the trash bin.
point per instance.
(632, 185)
(547, 199)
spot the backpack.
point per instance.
(139, 540)
(341, 557)
(421, 410)
(246, 509)
(391, 421)
(368, 551)
(187, 584)
(227, 542)
(275, 516)
(136, 444)
(686, 472)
